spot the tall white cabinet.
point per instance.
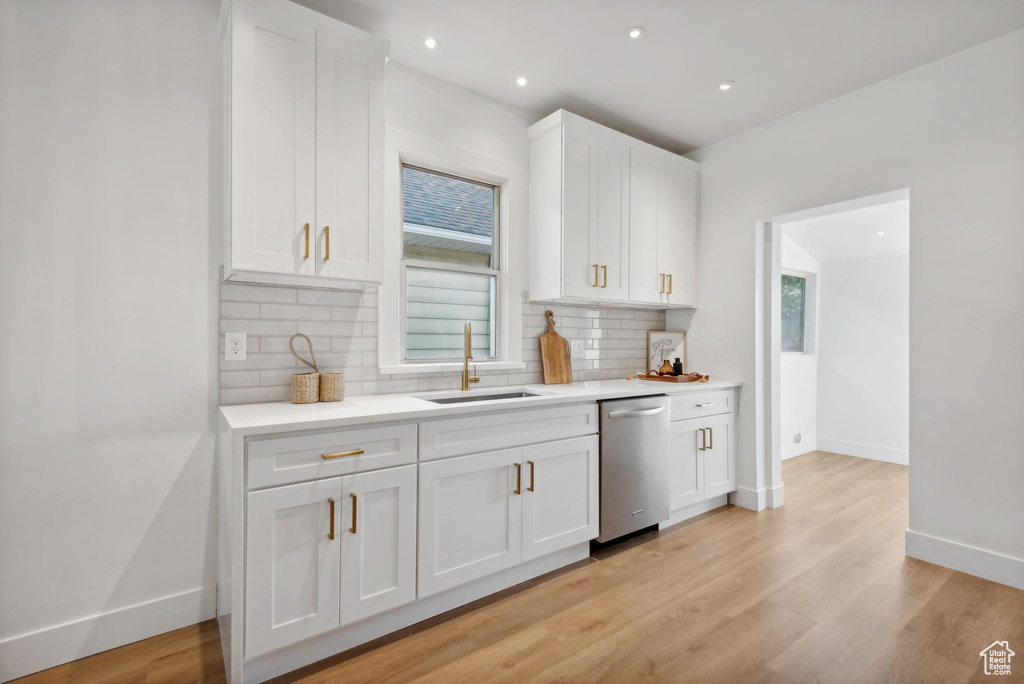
(612, 219)
(306, 148)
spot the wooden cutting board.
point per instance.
(554, 355)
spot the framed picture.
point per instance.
(665, 345)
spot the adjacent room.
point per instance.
(536, 341)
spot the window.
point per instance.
(798, 294)
(450, 263)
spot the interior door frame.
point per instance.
(768, 335)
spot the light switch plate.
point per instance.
(234, 346)
(576, 349)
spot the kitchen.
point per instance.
(594, 217)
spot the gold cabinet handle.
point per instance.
(662, 283)
(703, 440)
(533, 466)
(605, 270)
(706, 403)
(519, 478)
(305, 254)
(355, 501)
(711, 438)
(595, 275)
(330, 535)
(327, 243)
(669, 284)
(342, 454)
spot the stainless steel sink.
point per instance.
(461, 399)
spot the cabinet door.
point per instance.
(677, 231)
(470, 519)
(719, 457)
(349, 155)
(580, 157)
(613, 219)
(272, 140)
(686, 464)
(292, 565)
(560, 495)
(378, 542)
(645, 282)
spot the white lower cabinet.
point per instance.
(686, 464)
(470, 518)
(378, 542)
(293, 565)
(560, 495)
(719, 459)
(702, 462)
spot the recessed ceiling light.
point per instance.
(880, 232)
(726, 85)
(636, 32)
(522, 81)
(431, 43)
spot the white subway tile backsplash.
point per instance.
(343, 329)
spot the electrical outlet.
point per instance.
(576, 349)
(234, 346)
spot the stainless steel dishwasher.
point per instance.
(635, 437)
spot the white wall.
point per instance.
(952, 132)
(864, 359)
(799, 372)
(109, 221)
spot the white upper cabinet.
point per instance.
(306, 148)
(612, 219)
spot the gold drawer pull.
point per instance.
(711, 438)
(306, 253)
(703, 440)
(669, 284)
(519, 478)
(595, 275)
(355, 501)
(343, 454)
(533, 466)
(662, 283)
(604, 269)
(709, 403)
(327, 243)
(330, 535)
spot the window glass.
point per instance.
(447, 219)
(794, 298)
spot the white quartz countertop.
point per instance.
(255, 419)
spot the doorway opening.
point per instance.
(834, 336)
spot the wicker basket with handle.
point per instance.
(305, 386)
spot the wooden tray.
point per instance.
(673, 378)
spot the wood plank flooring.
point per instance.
(816, 591)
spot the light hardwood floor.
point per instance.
(816, 591)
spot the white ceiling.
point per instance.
(853, 234)
(784, 55)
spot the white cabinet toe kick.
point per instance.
(332, 537)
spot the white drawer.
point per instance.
(310, 456)
(701, 404)
(503, 430)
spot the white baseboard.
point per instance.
(806, 446)
(752, 499)
(27, 653)
(872, 451)
(965, 558)
(776, 496)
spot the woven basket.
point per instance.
(332, 386)
(305, 386)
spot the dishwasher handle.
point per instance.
(637, 414)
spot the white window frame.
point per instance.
(406, 148)
(810, 311)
